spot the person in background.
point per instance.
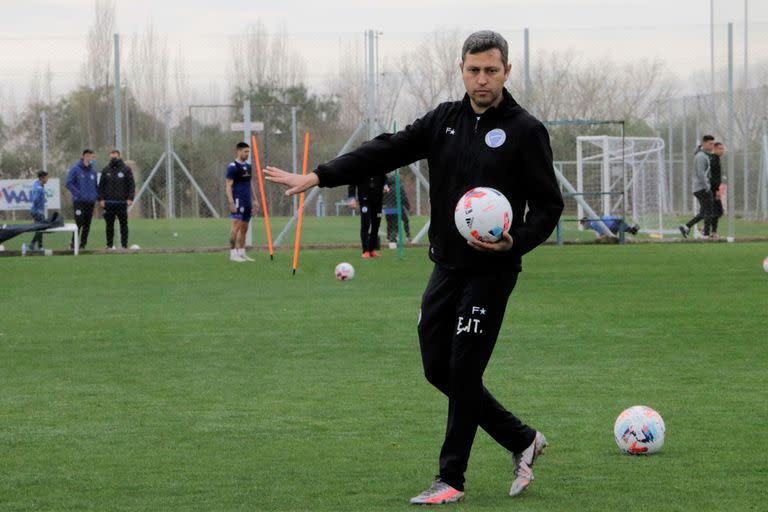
(716, 185)
(369, 195)
(81, 183)
(116, 191)
(701, 187)
(38, 208)
(390, 212)
(612, 222)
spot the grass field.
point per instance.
(184, 382)
(191, 233)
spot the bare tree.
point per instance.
(430, 71)
(262, 59)
(97, 68)
(148, 74)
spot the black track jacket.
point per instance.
(505, 148)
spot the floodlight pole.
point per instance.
(730, 193)
(44, 128)
(118, 106)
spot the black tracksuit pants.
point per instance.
(119, 210)
(717, 208)
(706, 203)
(83, 217)
(461, 314)
(370, 220)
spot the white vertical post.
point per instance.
(44, 128)
(118, 106)
(684, 149)
(605, 185)
(579, 178)
(730, 193)
(744, 130)
(294, 153)
(247, 140)
(712, 48)
(170, 211)
(670, 153)
(527, 69)
(371, 79)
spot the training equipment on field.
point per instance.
(344, 271)
(765, 264)
(626, 176)
(257, 161)
(483, 214)
(639, 430)
(135, 247)
(301, 205)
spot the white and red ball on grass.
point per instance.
(483, 214)
(639, 430)
(344, 271)
(765, 264)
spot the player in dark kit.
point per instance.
(370, 197)
(242, 201)
(116, 191)
(486, 139)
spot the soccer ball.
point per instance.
(135, 247)
(483, 214)
(639, 430)
(765, 264)
(344, 271)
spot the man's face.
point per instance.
(88, 158)
(114, 156)
(243, 154)
(44, 179)
(484, 75)
(708, 146)
(720, 150)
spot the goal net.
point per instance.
(625, 176)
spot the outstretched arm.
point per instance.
(295, 183)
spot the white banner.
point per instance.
(17, 194)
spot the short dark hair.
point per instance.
(41, 174)
(483, 41)
(241, 145)
(707, 138)
(87, 151)
(115, 151)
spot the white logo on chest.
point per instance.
(495, 138)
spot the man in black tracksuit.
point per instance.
(715, 180)
(116, 191)
(485, 140)
(370, 196)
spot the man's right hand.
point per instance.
(232, 207)
(352, 202)
(296, 183)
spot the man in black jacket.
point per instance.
(486, 139)
(715, 182)
(116, 191)
(369, 196)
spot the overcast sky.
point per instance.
(39, 33)
(24, 17)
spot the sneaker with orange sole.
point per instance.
(440, 493)
(523, 463)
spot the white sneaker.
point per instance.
(439, 493)
(246, 257)
(523, 463)
(236, 258)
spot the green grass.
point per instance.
(189, 233)
(185, 382)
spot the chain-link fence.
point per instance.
(184, 105)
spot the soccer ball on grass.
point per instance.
(344, 271)
(639, 430)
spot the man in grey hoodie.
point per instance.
(701, 189)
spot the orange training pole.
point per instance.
(301, 204)
(263, 199)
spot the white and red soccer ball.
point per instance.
(765, 264)
(344, 271)
(639, 430)
(483, 214)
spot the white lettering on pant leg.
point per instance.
(472, 326)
